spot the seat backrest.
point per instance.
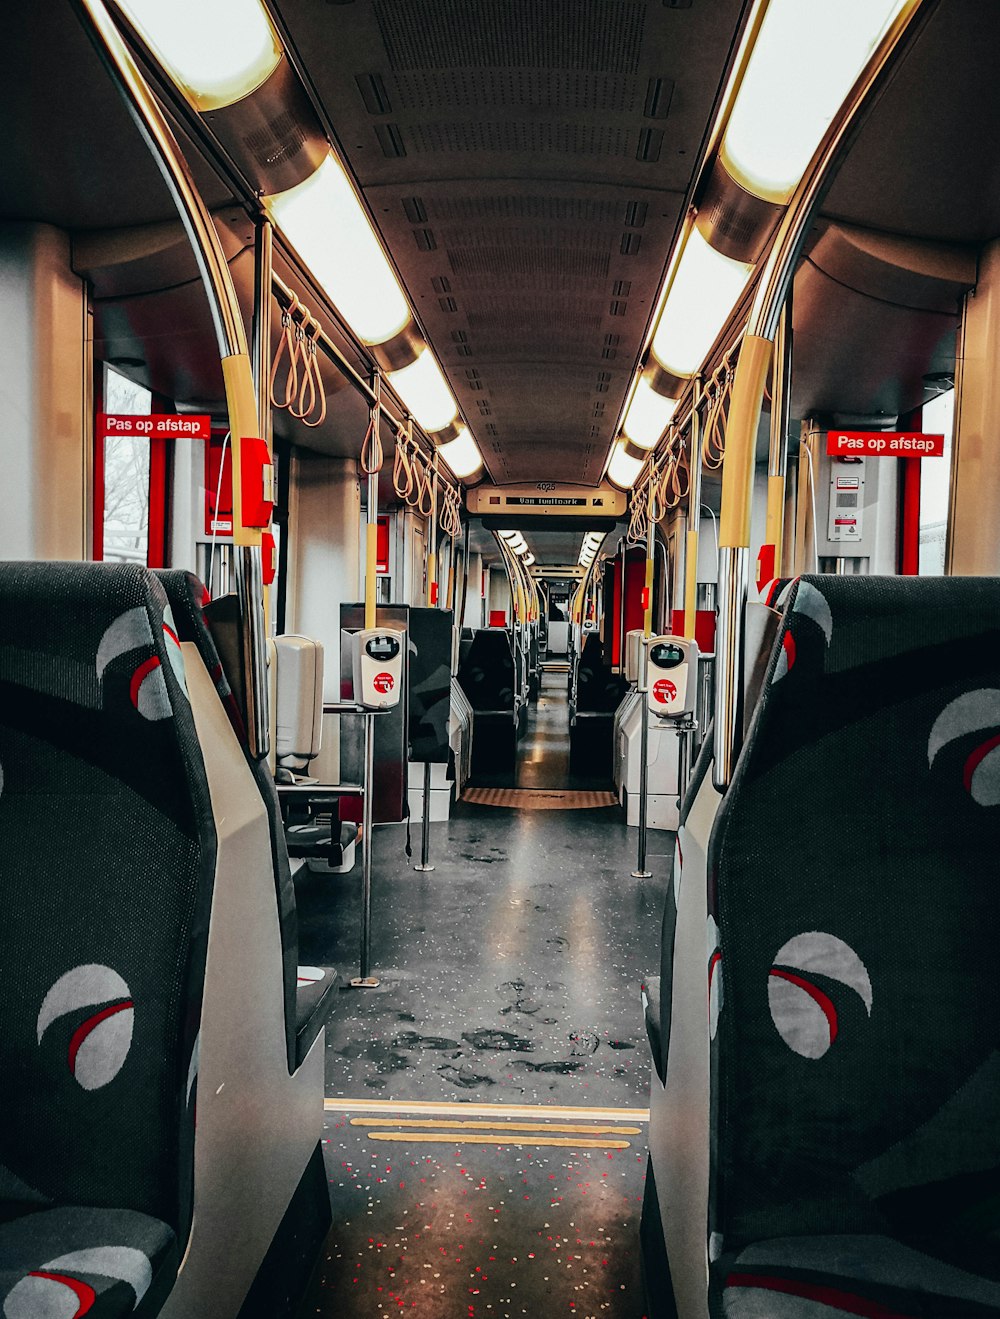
(487, 674)
(188, 599)
(107, 862)
(598, 690)
(853, 926)
(298, 700)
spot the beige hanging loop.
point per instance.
(317, 394)
(371, 446)
(286, 343)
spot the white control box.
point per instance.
(847, 500)
(671, 677)
(378, 666)
(633, 656)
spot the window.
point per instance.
(126, 476)
(130, 483)
(935, 486)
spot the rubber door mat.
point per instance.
(539, 799)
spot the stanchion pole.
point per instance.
(425, 822)
(366, 980)
(640, 871)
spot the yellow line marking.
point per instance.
(496, 1111)
(435, 1138)
(493, 1126)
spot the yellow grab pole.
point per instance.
(694, 517)
(371, 530)
(741, 441)
(647, 614)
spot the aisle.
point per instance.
(510, 993)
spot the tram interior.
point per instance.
(356, 886)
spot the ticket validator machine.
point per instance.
(377, 663)
(378, 667)
(672, 693)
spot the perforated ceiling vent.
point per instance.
(579, 210)
(592, 35)
(562, 90)
(520, 137)
(511, 265)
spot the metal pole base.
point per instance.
(642, 874)
(423, 869)
(365, 982)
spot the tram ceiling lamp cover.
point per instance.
(770, 138)
(426, 392)
(462, 455)
(217, 53)
(704, 290)
(325, 222)
(647, 415)
(624, 467)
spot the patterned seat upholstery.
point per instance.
(854, 1006)
(307, 1007)
(107, 863)
(102, 1263)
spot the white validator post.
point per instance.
(378, 675)
(672, 694)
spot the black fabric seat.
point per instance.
(488, 677)
(599, 693)
(305, 1016)
(104, 794)
(103, 1263)
(854, 1008)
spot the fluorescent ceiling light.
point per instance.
(703, 293)
(426, 393)
(779, 117)
(647, 415)
(327, 225)
(217, 52)
(623, 469)
(462, 455)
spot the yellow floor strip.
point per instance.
(441, 1138)
(495, 1111)
(441, 1124)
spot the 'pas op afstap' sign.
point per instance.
(884, 444)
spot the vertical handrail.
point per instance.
(777, 459)
(748, 392)
(694, 515)
(230, 333)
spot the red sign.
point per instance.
(157, 425)
(382, 547)
(383, 682)
(664, 691)
(884, 444)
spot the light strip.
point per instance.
(216, 52)
(648, 415)
(704, 291)
(623, 469)
(778, 121)
(424, 390)
(462, 455)
(327, 225)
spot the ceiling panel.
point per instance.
(528, 166)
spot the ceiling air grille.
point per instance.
(591, 35)
(524, 136)
(510, 265)
(558, 89)
(578, 210)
